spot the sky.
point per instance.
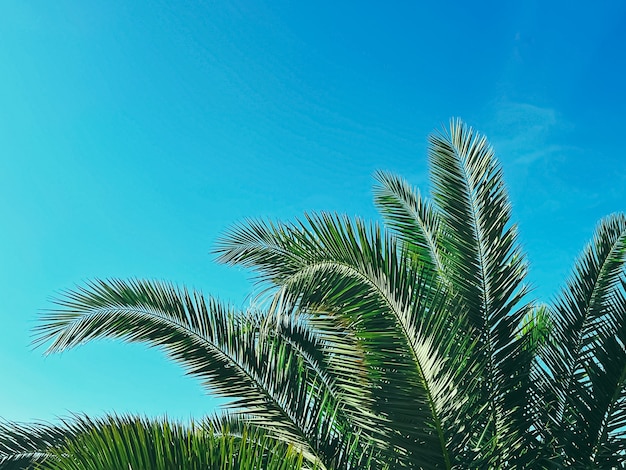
(134, 134)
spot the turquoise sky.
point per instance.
(132, 134)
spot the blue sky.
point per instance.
(132, 136)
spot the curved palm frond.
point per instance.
(114, 443)
(357, 273)
(586, 358)
(266, 378)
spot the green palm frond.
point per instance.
(607, 375)
(585, 359)
(265, 377)
(486, 267)
(413, 217)
(117, 443)
(114, 443)
(536, 326)
(488, 264)
(23, 445)
(357, 273)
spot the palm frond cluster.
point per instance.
(413, 344)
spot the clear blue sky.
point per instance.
(133, 133)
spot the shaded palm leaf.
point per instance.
(585, 359)
(22, 445)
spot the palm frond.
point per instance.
(413, 217)
(358, 274)
(585, 358)
(607, 375)
(24, 445)
(266, 377)
(487, 269)
(114, 443)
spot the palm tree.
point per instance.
(409, 345)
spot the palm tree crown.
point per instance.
(412, 344)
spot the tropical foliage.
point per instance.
(410, 345)
(127, 443)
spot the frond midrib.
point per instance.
(484, 282)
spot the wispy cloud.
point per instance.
(526, 133)
(533, 142)
(545, 165)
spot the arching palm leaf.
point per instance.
(586, 357)
(264, 375)
(114, 443)
(357, 273)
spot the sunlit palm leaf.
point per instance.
(266, 377)
(114, 443)
(487, 269)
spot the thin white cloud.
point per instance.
(525, 133)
